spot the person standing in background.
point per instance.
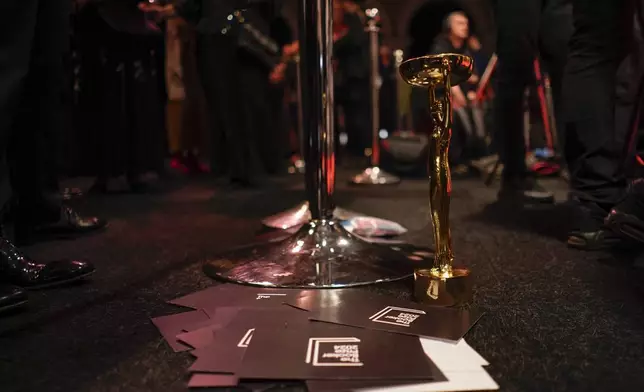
(469, 131)
(351, 78)
(594, 147)
(526, 29)
(122, 93)
(34, 38)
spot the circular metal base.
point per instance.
(432, 289)
(322, 254)
(301, 214)
(374, 176)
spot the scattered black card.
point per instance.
(206, 380)
(203, 334)
(349, 385)
(226, 352)
(171, 326)
(368, 310)
(221, 316)
(236, 295)
(325, 351)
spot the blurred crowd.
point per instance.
(212, 88)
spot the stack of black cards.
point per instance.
(334, 340)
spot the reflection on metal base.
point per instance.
(301, 214)
(322, 254)
(375, 176)
(432, 289)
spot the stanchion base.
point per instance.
(434, 290)
(374, 176)
(322, 254)
(301, 214)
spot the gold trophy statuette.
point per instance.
(443, 284)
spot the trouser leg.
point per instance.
(16, 38)
(518, 26)
(594, 150)
(34, 143)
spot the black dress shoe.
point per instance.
(589, 232)
(11, 297)
(524, 190)
(69, 225)
(73, 223)
(18, 269)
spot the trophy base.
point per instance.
(301, 214)
(432, 289)
(374, 176)
(322, 254)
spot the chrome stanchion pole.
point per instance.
(374, 175)
(300, 214)
(321, 254)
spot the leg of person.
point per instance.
(16, 35)
(250, 120)
(193, 138)
(34, 143)
(630, 77)
(518, 26)
(213, 62)
(594, 152)
(554, 34)
(16, 43)
(627, 218)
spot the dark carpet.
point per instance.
(557, 319)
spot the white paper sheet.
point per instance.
(458, 381)
(461, 365)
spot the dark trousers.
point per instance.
(526, 29)
(594, 147)
(355, 99)
(628, 100)
(228, 83)
(33, 39)
(121, 102)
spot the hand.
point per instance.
(277, 74)
(471, 96)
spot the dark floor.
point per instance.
(557, 319)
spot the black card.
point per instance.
(203, 334)
(171, 326)
(226, 352)
(363, 309)
(236, 295)
(206, 380)
(325, 351)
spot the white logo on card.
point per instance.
(396, 316)
(333, 352)
(268, 295)
(246, 339)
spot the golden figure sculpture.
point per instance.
(443, 284)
